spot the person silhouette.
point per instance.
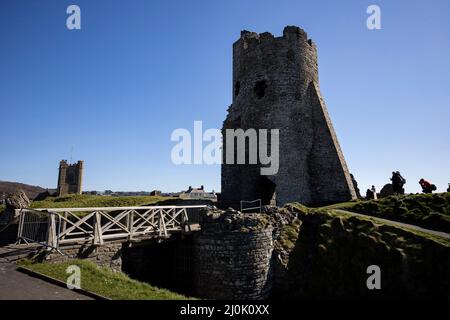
(398, 182)
(427, 187)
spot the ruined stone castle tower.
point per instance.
(70, 178)
(275, 86)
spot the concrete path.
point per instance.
(398, 224)
(15, 285)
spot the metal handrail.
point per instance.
(251, 208)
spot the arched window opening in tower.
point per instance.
(71, 178)
(237, 88)
(260, 88)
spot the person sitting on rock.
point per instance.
(369, 195)
(448, 189)
(397, 182)
(374, 191)
(427, 187)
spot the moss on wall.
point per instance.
(331, 253)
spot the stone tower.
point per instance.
(275, 86)
(70, 178)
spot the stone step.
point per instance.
(15, 252)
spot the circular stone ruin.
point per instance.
(234, 256)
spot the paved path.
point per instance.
(398, 224)
(15, 285)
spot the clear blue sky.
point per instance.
(115, 90)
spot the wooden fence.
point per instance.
(70, 226)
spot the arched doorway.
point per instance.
(265, 189)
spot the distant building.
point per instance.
(92, 193)
(198, 194)
(125, 193)
(171, 194)
(130, 193)
(156, 193)
(70, 178)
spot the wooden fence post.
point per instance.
(130, 222)
(186, 221)
(21, 218)
(98, 237)
(162, 224)
(52, 240)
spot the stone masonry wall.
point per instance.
(109, 255)
(275, 86)
(234, 257)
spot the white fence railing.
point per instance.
(70, 226)
(252, 206)
(34, 226)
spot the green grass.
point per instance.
(441, 240)
(290, 232)
(341, 205)
(333, 249)
(298, 207)
(103, 281)
(84, 201)
(430, 211)
(289, 235)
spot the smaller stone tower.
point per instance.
(70, 178)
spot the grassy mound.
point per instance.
(85, 200)
(329, 255)
(430, 211)
(103, 281)
(89, 201)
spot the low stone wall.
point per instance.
(234, 257)
(109, 255)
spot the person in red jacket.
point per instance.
(427, 187)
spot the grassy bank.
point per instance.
(84, 201)
(103, 281)
(329, 255)
(430, 211)
(330, 212)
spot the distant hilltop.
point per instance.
(31, 191)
